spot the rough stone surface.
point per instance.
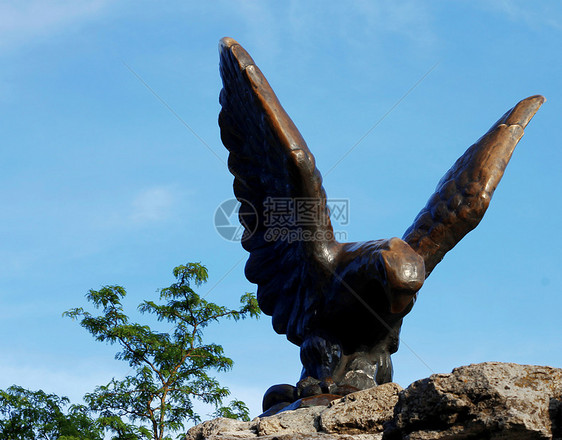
(361, 412)
(299, 421)
(483, 401)
(491, 400)
(358, 416)
(223, 428)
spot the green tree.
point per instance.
(30, 415)
(235, 410)
(170, 369)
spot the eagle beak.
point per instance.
(404, 274)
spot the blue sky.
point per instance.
(101, 183)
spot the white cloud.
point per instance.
(535, 15)
(351, 21)
(72, 381)
(261, 24)
(153, 205)
(410, 19)
(26, 20)
(17, 262)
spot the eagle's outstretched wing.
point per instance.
(463, 194)
(290, 238)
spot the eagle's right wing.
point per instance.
(463, 194)
(283, 204)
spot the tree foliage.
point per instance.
(235, 410)
(30, 415)
(170, 369)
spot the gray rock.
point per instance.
(361, 412)
(299, 421)
(492, 400)
(484, 401)
(224, 429)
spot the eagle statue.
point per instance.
(341, 303)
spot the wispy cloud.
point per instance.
(535, 15)
(261, 24)
(17, 262)
(409, 19)
(62, 380)
(23, 21)
(153, 205)
(352, 21)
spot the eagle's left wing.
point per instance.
(463, 194)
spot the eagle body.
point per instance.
(341, 303)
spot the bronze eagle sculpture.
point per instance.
(342, 303)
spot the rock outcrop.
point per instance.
(482, 401)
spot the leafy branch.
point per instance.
(170, 369)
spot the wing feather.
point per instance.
(270, 159)
(463, 194)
